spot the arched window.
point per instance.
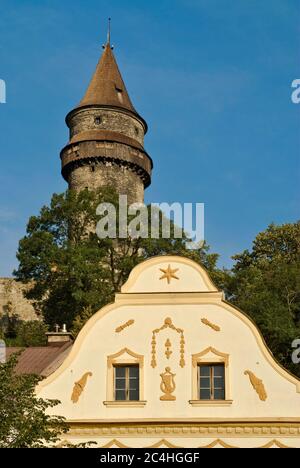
(211, 385)
(125, 379)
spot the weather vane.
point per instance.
(108, 35)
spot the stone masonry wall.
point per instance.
(99, 119)
(93, 170)
(99, 175)
(12, 300)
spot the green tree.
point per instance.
(32, 333)
(9, 321)
(265, 283)
(71, 270)
(81, 319)
(23, 421)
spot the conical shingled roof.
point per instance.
(107, 87)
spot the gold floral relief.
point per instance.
(125, 325)
(168, 351)
(80, 386)
(167, 324)
(210, 324)
(258, 385)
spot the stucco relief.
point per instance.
(168, 324)
(258, 385)
(79, 387)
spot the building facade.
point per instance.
(172, 364)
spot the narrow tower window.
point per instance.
(98, 120)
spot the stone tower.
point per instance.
(106, 146)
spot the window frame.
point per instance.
(210, 356)
(211, 377)
(127, 380)
(125, 357)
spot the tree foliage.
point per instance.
(23, 419)
(31, 333)
(71, 270)
(265, 283)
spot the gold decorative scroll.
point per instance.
(168, 324)
(258, 385)
(122, 327)
(168, 351)
(168, 385)
(210, 324)
(218, 442)
(79, 387)
(274, 443)
(163, 443)
(116, 443)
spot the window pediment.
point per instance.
(210, 354)
(125, 355)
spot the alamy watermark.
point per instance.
(296, 93)
(2, 92)
(159, 220)
(2, 352)
(296, 353)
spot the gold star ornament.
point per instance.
(169, 274)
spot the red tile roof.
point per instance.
(35, 360)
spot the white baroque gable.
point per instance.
(168, 274)
(169, 327)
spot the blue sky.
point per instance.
(211, 77)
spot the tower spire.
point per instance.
(109, 31)
(108, 39)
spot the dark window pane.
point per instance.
(133, 395)
(120, 384)
(219, 371)
(133, 384)
(204, 382)
(120, 395)
(134, 371)
(120, 371)
(204, 371)
(219, 394)
(219, 383)
(204, 394)
(126, 383)
(209, 386)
